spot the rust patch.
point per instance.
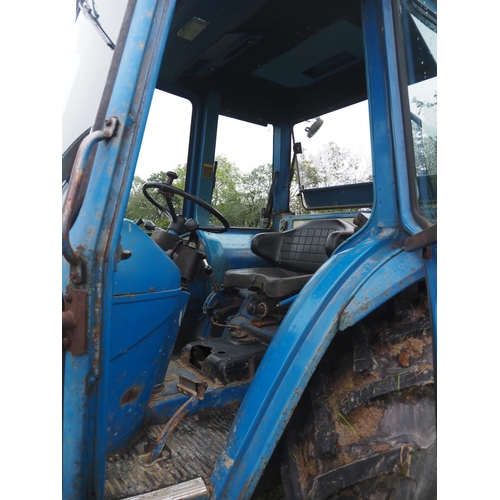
(404, 358)
(131, 395)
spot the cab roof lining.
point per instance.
(271, 61)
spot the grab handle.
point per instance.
(71, 204)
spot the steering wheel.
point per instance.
(168, 190)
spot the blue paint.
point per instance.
(385, 210)
(387, 280)
(282, 144)
(147, 309)
(132, 93)
(230, 250)
(431, 280)
(398, 126)
(140, 273)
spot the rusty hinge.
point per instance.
(74, 320)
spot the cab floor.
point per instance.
(191, 451)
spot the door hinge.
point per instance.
(74, 320)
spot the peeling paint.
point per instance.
(226, 461)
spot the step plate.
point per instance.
(192, 449)
(189, 489)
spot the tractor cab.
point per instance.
(241, 182)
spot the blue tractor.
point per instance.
(282, 344)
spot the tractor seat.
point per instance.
(296, 255)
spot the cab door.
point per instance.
(98, 169)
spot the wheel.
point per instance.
(167, 189)
(366, 426)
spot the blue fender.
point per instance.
(346, 288)
(396, 274)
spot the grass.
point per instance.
(347, 422)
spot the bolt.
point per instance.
(66, 341)
(68, 298)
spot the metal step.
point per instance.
(190, 453)
(183, 491)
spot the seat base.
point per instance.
(272, 281)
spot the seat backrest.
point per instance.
(301, 249)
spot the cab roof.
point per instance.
(271, 61)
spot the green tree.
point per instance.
(240, 197)
(226, 197)
(337, 166)
(138, 206)
(254, 193)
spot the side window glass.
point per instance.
(421, 49)
(243, 153)
(89, 48)
(164, 148)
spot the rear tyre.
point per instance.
(366, 426)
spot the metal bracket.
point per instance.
(425, 239)
(195, 390)
(190, 387)
(149, 459)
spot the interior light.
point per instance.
(192, 28)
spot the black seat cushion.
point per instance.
(302, 249)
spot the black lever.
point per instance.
(210, 273)
(171, 176)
